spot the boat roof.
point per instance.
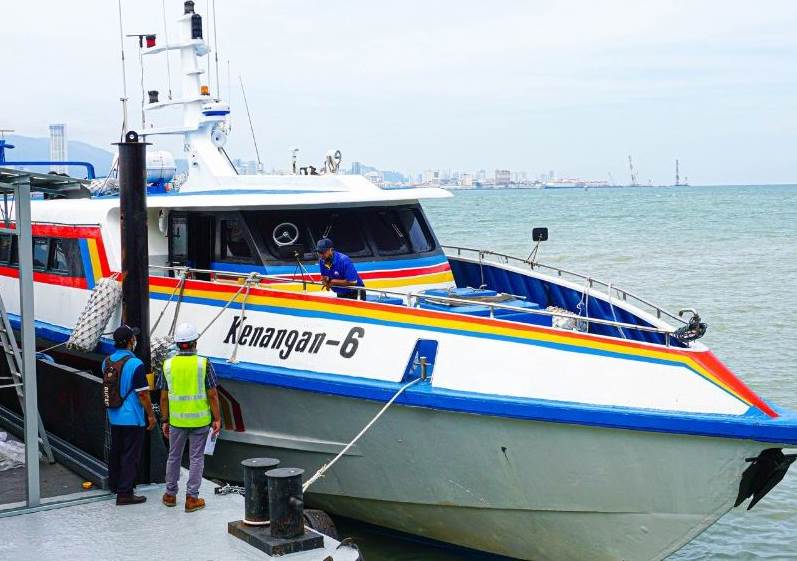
(245, 192)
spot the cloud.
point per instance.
(530, 85)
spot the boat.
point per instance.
(565, 184)
(538, 414)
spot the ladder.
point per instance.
(9, 344)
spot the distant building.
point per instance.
(503, 177)
(466, 180)
(58, 150)
(482, 176)
(430, 177)
(376, 178)
(356, 168)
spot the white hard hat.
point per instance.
(185, 333)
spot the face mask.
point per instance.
(135, 344)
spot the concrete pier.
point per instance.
(98, 529)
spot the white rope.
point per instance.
(177, 287)
(320, 473)
(218, 315)
(253, 277)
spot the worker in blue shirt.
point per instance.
(130, 420)
(338, 272)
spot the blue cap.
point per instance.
(323, 244)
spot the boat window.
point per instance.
(234, 245)
(386, 232)
(419, 236)
(14, 252)
(178, 238)
(65, 257)
(41, 249)
(344, 229)
(5, 248)
(276, 229)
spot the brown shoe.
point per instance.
(122, 500)
(194, 503)
(169, 500)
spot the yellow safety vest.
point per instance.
(188, 398)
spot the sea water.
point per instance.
(728, 252)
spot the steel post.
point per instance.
(285, 502)
(256, 489)
(135, 266)
(28, 333)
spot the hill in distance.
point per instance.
(28, 148)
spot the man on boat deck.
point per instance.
(128, 420)
(338, 272)
(189, 409)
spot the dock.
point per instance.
(89, 526)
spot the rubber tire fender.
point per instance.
(321, 522)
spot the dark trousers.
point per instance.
(353, 295)
(127, 443)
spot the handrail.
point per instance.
(608, 288)
(412, 295)
(90, 172)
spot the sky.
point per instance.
(569, 86)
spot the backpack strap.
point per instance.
(121, 364)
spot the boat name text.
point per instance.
(288, 341)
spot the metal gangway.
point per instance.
(16, 379)
(17, 187)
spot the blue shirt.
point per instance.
(131, 413)
(341, 268)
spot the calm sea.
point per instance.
(729, 252)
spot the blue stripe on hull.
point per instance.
(362, 266)
(752, 426)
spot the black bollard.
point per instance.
(256, 490)
(285, 533)
(286, 502)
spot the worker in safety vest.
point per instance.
(189, 410)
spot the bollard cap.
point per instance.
(266, 463)
(284, 473)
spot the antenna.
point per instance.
(216, 50)
(293, 160)
(141, 67)
(166, 40)
(229, 96)
(251, 126)
(123, 99)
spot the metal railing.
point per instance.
(412, 299)
(607, 289)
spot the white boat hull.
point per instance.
(525, 489)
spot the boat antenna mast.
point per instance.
(677, 174)
(251, 126)
(149, 37)
(123, 99)
(205, 118)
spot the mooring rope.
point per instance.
(177, 287)
(227, 305)
(320, 473)
(253, 277)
